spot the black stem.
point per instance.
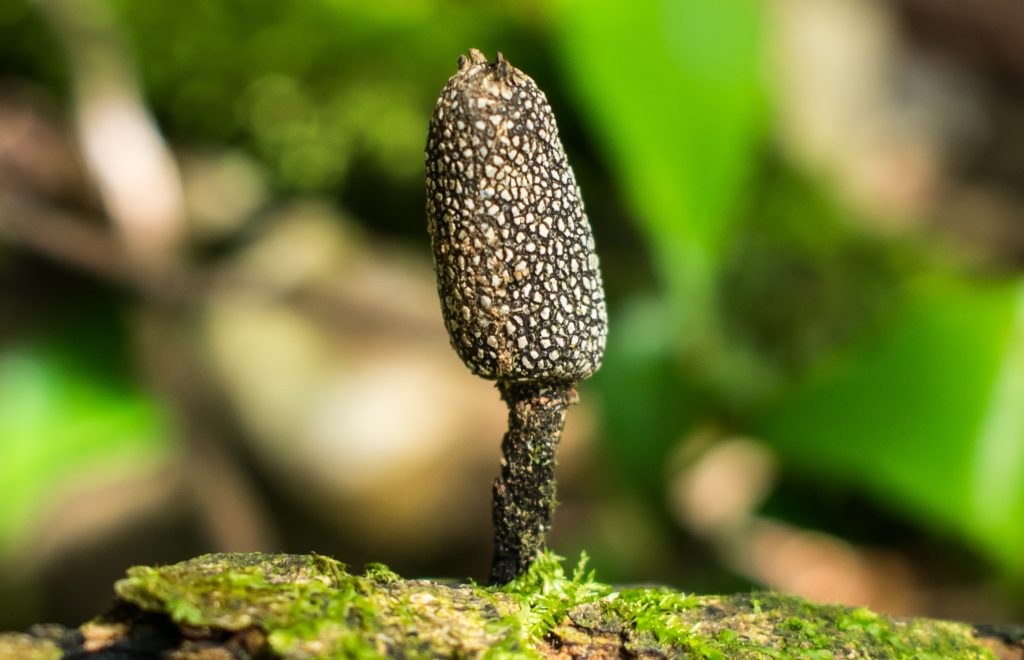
(524, 494)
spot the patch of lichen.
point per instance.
(769, 625)
(26, 647)
(579, 616)
(310, 606)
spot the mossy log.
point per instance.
(306, 606)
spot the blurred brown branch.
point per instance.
(139, 187)
(64, 237)
(126, 157)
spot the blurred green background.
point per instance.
(219, 328)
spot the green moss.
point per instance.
(310, 606)
(546, 595)
(380, 574)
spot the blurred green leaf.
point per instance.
(648, 404)
(674, 94)
(674, 91)
(59, 421)
(928, 414)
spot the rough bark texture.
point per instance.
(524, 494)
(297, 606)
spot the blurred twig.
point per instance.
(63, 237)
(134, 171)
(137, 179)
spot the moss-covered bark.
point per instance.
(242, 605)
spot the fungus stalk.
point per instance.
(519, 283)
(524, 494)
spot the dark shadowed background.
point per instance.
(219, 328)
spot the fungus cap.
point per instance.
(518, 278)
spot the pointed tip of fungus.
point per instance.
(473, 57)
(501, 67)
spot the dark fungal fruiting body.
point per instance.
(518, 279)
(520, 288)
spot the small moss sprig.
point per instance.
(519, 283)
(547, 595)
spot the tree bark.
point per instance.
(301, 606)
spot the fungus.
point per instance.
(520, 289)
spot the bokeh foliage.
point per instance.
(60, 419)
(314, 88)
(924, 410)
